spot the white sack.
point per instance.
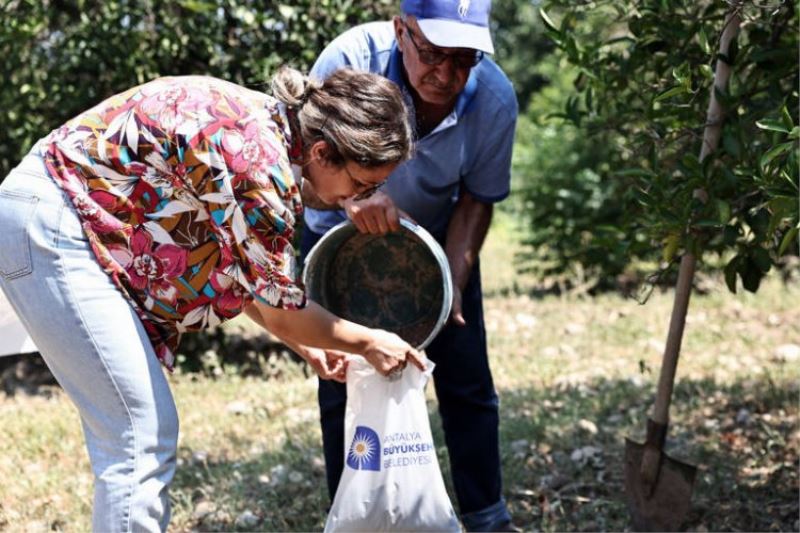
(391, 479)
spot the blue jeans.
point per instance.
(468, 406)
(95, 346)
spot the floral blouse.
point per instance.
(186, 193)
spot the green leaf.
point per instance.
(694, 246)
(787, 118)
(642, 197)
(567, 22)
(791, 182)
(702, 38)
(795, 133)
(637, 172)
(198, 6)
(758, 220)
(731, 143)
(773, 125)
(548, 23)
(681, 73)
(669, 93)
(751, 275)
(707, 223)
(671, 244)
(783, 205)
(730, 274)
(762, 260)
(723, 210)
(774, 152)
(571, 47)
(692, 164)
(787, 241)
(730, 234)
(589, 73)
(772, 54)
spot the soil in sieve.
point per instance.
(392, 282)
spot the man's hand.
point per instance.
(456, 316)
(376, 214)
(328, 364)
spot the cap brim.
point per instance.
(451, 34)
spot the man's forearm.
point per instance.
(465, 234)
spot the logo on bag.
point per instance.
(365, 451)
(407, 449)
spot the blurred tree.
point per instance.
(643, 75)
(63, 56)
(521, 45)
(573, 213)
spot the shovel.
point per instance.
(659, 487)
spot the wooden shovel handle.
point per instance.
(657, 426)
(677, 321)
(711, 135)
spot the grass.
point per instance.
(576, 375)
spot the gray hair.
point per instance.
(361, 116)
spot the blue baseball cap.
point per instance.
(453, 23)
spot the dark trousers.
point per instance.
(468, 406)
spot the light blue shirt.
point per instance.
(469, 150)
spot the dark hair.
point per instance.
(362, 116)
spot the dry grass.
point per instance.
(573, 374)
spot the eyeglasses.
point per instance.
(432, 56)
(366, 193)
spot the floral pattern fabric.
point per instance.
(185, 190)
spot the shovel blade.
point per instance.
(666, 507)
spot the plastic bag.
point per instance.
(391, 479)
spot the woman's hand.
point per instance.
(388, 353)
(328, 364)
(315, 326)
(376, 215)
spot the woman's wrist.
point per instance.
(298, 348)
(359, 339)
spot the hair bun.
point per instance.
(291, 87)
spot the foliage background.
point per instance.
(62, 57)
(608, 153)
(613, 96)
